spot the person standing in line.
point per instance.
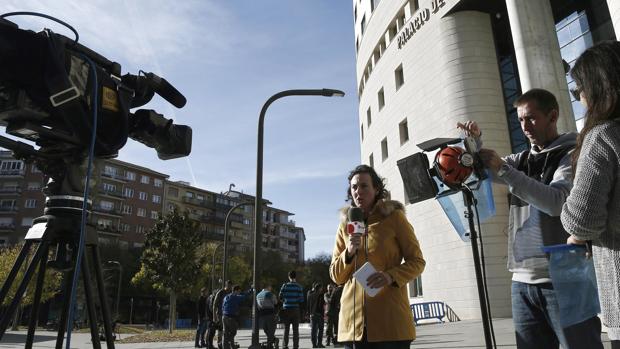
(539, 180)
(266, 302)
(202, 318)
(390, 245)
(592, 210)
(230, 319)
(210, 323)
(292, 297)
(315, 311)
(334, 308)
(217, 312)
(329, 332)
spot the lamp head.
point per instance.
(327, 92)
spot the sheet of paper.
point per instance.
(362, 274)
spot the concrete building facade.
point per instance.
(424, 65)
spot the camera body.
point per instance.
(51, 86)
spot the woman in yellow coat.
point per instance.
(390, 245)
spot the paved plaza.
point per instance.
(461, 334)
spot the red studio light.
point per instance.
(454, 165)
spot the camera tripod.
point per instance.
(60, 226)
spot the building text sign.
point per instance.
(417, 21)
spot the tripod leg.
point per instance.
(4, 322)
(90, 304)
(34, 312)
(13, 273)
(66, 302)
(102, 297)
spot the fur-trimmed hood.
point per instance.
(383, 207)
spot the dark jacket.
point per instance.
(315, 302)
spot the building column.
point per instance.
(538, 53)
(614, 12)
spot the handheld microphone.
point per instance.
(166, 90)
(356, 223)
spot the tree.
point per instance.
(317, 270)
(51, 282)
(169, 260)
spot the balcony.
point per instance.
(116, 176)
(8, 209)
(12, 172)
(105, 210)
(113, 193)
(4, 227)
(108, 229)
(213, 219)
(198, 202)
(11, 190)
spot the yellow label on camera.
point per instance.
(109, 99)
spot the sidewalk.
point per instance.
(462, 334)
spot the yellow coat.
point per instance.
(393, 248)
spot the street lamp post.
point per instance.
(258, 206)
(225, 259)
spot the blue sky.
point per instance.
(228, 58)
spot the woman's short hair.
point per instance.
(377, 182)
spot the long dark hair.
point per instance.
(597, 75)
(377, 182)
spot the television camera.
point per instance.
(74, 104)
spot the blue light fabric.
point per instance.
(574, 281)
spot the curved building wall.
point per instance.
(450, 72)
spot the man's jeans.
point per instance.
(536, 318)
(200, 332)
(316, 332)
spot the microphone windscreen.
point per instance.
(355, 214)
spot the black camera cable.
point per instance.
(36, 14)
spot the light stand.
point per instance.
(420, 186)
(483, 297)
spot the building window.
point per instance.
(354, 13)
(128, 192)
(109, 170)
(30, 203)
(415, 287)
(139, 229)
(145, 179)
(6, 222)
(131, 176)
(127, 209)
(174, 192)
(399, 77)
(371, 160)
(33, 186)
(156, 199)
(27, 221)
(368, 117)
(189, 194)
(11, 165)
(141, 212)
(381, 98)
(154, 214)
(363, 24)
(124, 227)
(362, 131)
(109, 187)
(384, 149)
(35, 169)
(143, 195)
(157, 182)
(106, 205)
(404, 132)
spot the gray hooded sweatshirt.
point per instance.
(539, 189)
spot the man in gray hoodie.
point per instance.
(539, 180)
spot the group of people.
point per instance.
(218, 313)
(564, 189)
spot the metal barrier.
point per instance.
(428, 310)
